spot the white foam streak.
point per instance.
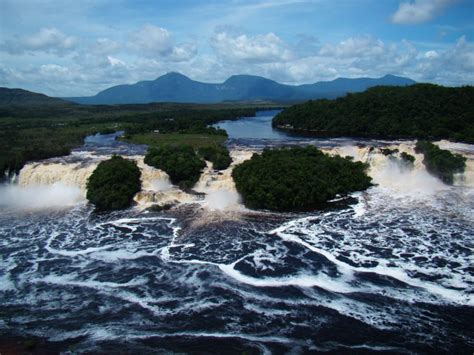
(321, 280)
(449, 295)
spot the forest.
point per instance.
(423, 111)
(439, 162)
(113, 184)
(43, 131)
(296, 179)
(181, 163)
(217, 154)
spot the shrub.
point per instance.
(439, 162)
(288, 179)
(388, 151)
(113, 184)
(180, 162)
(407, 157)
(218, 155)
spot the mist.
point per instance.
(56, 195)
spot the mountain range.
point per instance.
(175, 87)
(20, 97)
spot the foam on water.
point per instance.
(396, 266)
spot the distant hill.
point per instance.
(175, 87)
(20, 97)
(418, 111)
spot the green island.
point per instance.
(180, 162)
(297, 179)
(113, 184)
(439, 162)
(407, 158)
(33, 132)
(423, 111)
(217, 154)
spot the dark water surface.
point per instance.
(389, 274)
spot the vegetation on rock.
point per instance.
(408, 158)
(218, 155)
(181, 163)
(388, 151)
(418, 111)
(113, 184)
(439, 162)
(292, 179)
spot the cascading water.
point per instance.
(390, 272)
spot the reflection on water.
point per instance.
(259, 127)
(106, 144)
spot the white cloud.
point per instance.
(354, 47)
(156, 42)
(105, 46)
(115, 61)
(104, 63)
(48, 40)
(419, 11)
(431, 55)
(267, 48)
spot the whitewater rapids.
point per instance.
(391, 271)
(62, 181)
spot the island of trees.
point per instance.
(113, 184)
(181, 163)
(184, 164)
(217, 154)
(423, 111)
(439, 162)
(297, 179)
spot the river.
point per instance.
(390, 270)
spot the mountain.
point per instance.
(175, 87)
(20, 97)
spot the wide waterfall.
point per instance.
(62, 181)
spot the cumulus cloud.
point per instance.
(419, 11)
(156, 42)
(105, 46)
(354, 47)
(48, 40)
(452, 66)
(266, 48)
(102, 63)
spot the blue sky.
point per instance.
(74, 48)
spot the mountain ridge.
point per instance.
(176, 87)
(21, 97)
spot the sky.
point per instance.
(77, 48)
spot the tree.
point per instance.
(113, 184)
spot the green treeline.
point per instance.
(439, 162)
(180, 162)
(113, 184)
(39, 132)
(218, 155)
(418, 111)
(298, 178)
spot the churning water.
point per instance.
(391, 270)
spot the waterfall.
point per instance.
(62, 181)
(219, 187)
